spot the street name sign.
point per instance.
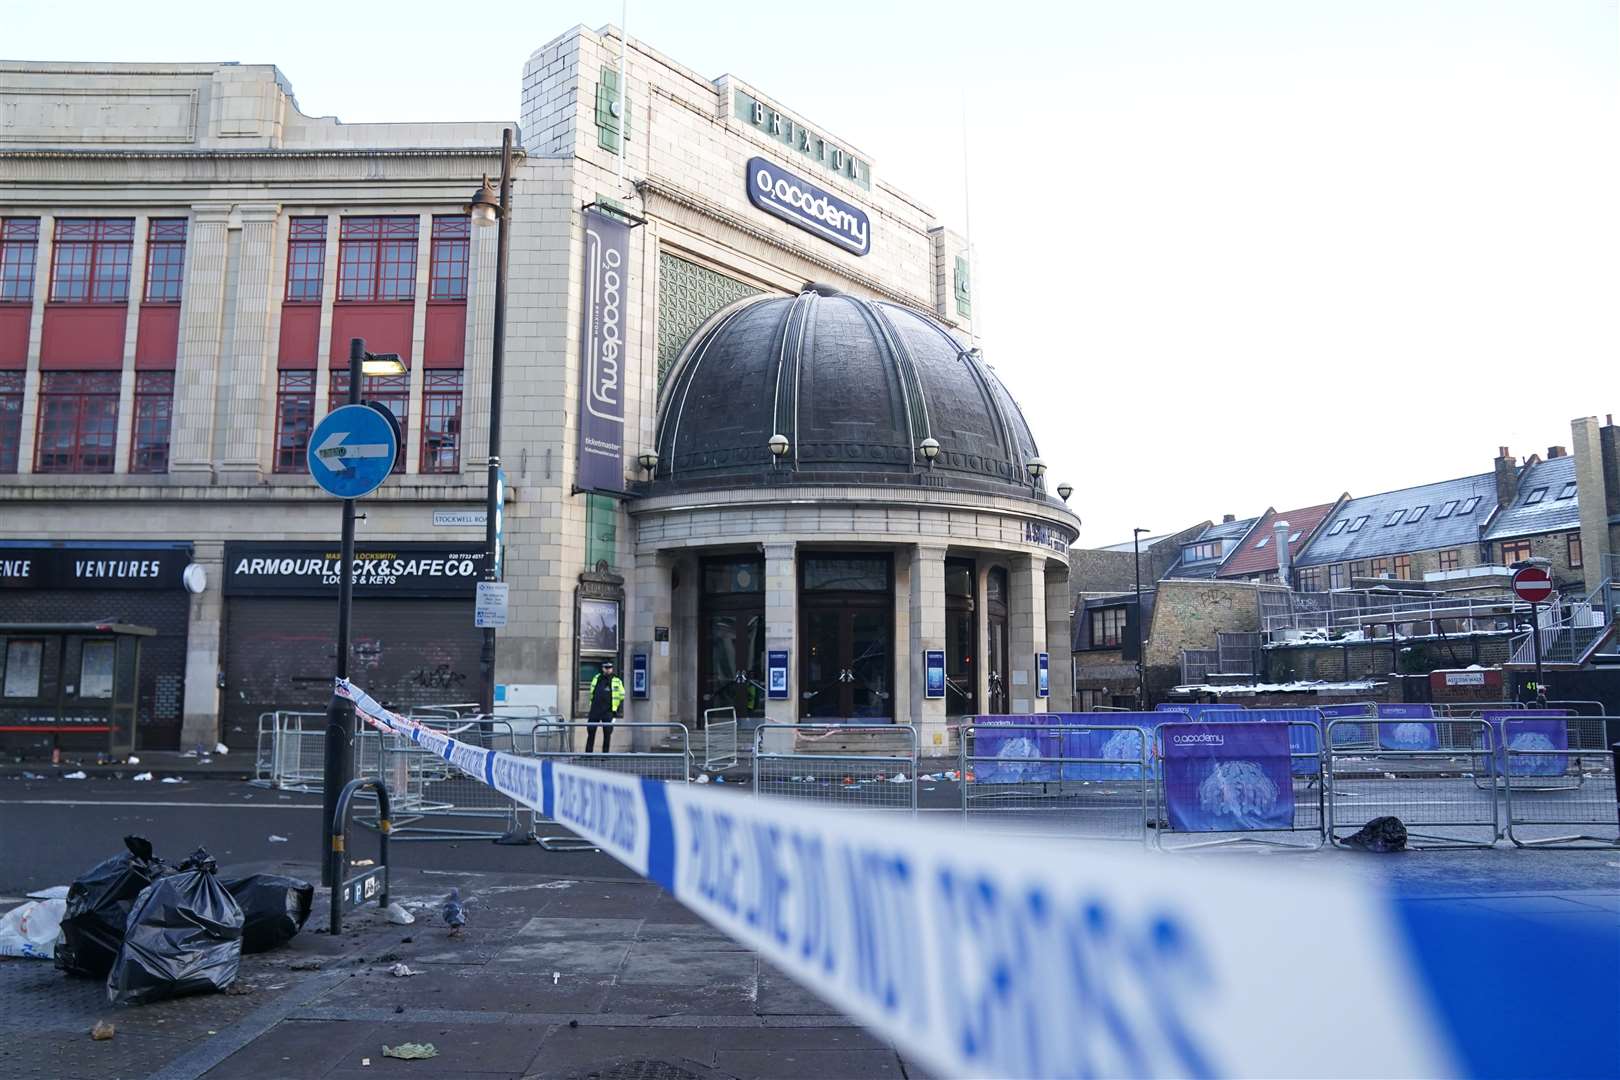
(352, 451)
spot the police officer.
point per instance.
(607, 701)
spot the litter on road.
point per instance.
(402, 971)
(411, 1051)
(173, 780)
(77, 775)
(398, 915)
(274, 839)
(142, 776)
(102, 1031)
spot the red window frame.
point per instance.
(83, 406)
(448, 257)
(11, 399)
(19, 251)
(306, 260)
(295, 419)
(1572, 551)
(441, 421)
(1449, 559)
(393, 392)
(90, 260)
(1514, 550)
(1403, 567)
(152, 422)
(377, 259)
(165, 260)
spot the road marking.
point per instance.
(201, 805)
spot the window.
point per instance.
(393, 392)
(1573, 546)
(1210, 549)
(1394, 519)
(1569, 491)
(78, 422)
(1338, 526)
(165, 259)
(154, 413)
(96, 669)
(1446, 509)
(23, 663)
(90, 262)
(306, 259)
(1358, 570)
(1107, 627)
(1336, 576)
(11, 397)
(1535, 496)
(295, 415)
(1403, 567)
(447, 279)
(377, 258)
(1468, 505)
(19, 241)
(1264, 540)
(1514, 550)
(1310, 579)
(1355, 526)
(1450, 559)
(1294, 538)
(1380, 568)
(441, 422)
(1417, 514)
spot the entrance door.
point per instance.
(846, 638)
(961, 639)
(731, 637)
(996, 618)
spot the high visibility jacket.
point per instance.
(617, 690)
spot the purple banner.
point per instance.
(1412, 735)
(1022, 751)
(1227, 777)
(1533, 735)
(601, 354)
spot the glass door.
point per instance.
(846, 638)
(731, 638)
(961, 639)
(996, 617)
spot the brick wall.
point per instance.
(1188, 615)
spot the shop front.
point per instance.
(61, 678)
(413, 639)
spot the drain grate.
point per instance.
(642, 1069)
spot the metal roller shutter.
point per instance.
(280, 654)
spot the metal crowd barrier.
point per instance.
(557, 741)
(719, 738)
(1247, 784)
(1548, 788)
(291, 752)
(427, 788)
(1087, 780)
(870, 766)
(1426, 774)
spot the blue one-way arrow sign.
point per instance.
(352, 451)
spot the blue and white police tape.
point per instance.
(1031, 957)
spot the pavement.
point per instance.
(570, 966)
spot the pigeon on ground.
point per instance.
(454, 917)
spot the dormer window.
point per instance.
(1535, 496)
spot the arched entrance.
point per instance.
(846, 636)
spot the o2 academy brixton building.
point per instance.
(750, 453)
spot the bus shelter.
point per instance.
(70, 686)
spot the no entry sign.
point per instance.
(1532, 585)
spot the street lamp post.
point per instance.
(1136, 559)
(487, 210)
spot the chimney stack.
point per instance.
(1227, 519)
(1279, 529)
(1507, 479)
(1557, 452)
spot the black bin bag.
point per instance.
(184, 937)
(98, 906)
(274, 908)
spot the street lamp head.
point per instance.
(486, 204)
(382, 364)
(1139, 531)
(1065, 489)
(929, 448)
(1036, 467)
(648, 460)
(778, 444)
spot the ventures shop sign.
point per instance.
(799, 202)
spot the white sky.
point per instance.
(1231, 253)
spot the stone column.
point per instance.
(782, 631)
(1059, 638)
(132, 322)
(1586, 443)
(246, 369)
(478, 353)
(201, 329)
(652, 604)
(1026, 630)
(415, 372)
(927, 632)
(200, 715)
(36, 327)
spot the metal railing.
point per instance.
(719, 739)
(561, 743)
(854, 765)
(1425, 771)
(1549, 787)
(1086, 780)
(1245, 783)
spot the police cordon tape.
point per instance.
(984, 955)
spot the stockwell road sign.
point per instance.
(352, 451)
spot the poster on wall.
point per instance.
(638, 675)
(1043, 675)
(934, 665)
(601, 354)
(599, 626)
(776, 674)
(1227, 777)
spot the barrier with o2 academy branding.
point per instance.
(1025, 957)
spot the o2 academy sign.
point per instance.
(799, 202)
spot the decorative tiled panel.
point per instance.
(687, 295)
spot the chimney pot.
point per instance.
(1227, 519)
(1556, 452)
(1502, 452)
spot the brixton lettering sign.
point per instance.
(817, 148)
(438, 570)
(93, 568)
(799, 202)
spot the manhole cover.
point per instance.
(642, 1069)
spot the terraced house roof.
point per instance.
(1547, 502)
(1423, 518)
(1229, 533)
(1258, 552)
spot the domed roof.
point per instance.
(855, 386)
